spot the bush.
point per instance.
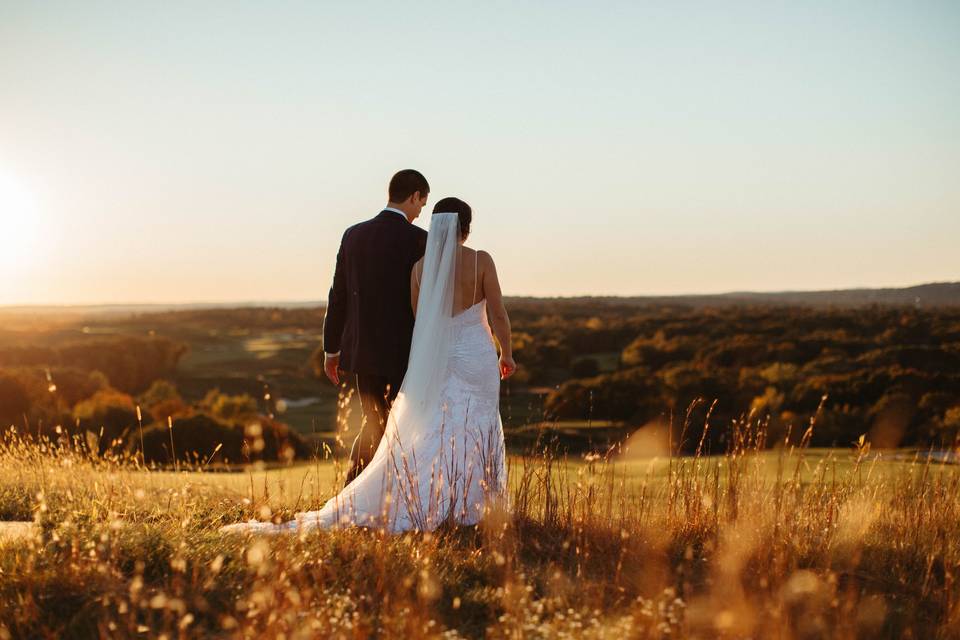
(196, 438)
(950, 426)
(163, 400)
(110, 410)
(229, 408)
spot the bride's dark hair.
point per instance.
(459, 207)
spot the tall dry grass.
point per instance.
(789, 543)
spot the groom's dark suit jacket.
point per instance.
(369, 319)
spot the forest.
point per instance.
(233, 385)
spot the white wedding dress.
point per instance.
(442, 456)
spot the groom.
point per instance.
(368, 325)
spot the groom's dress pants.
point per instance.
(376, 393)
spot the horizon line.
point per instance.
(323, 302)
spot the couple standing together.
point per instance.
(413, 315)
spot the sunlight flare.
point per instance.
(19, 224)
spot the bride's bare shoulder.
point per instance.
(484, 258)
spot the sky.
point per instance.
(214, 152)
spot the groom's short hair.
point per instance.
(405, 183)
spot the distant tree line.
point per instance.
(891, 373)
(132, 363)
(61, 392)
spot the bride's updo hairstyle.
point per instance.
(459, 207)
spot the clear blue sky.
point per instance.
(175, 151)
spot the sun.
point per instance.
(19, 225)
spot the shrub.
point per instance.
(229, 408)
(163, 400)
(110, 410)
(196, 438)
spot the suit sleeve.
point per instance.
(336, 315)
(421, 243)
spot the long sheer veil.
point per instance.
(419, 393)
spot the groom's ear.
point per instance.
(419, 199)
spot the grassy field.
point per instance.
(789, 543)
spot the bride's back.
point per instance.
(468, 285)
(469, 290)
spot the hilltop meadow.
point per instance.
(676, 471)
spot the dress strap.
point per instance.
(476, 275)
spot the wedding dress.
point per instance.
(442, 457)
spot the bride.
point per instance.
(441, 458)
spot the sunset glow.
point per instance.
(19, 225)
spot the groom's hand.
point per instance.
(331, 367)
